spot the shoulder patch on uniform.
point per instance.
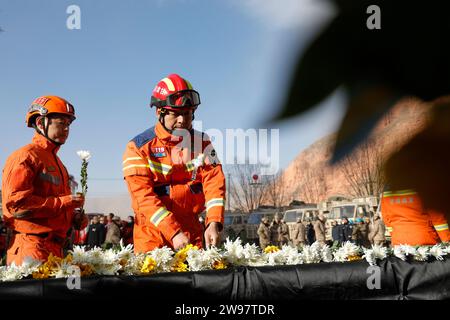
(144, 137)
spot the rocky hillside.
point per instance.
(310, 176)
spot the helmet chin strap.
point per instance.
(45, 132)
(162, 114)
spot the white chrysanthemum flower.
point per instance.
(202, 259)
(422, 254)
(11, 273)
(163, 257)
(84, 155)
(402, 251)
(79, 255)
(134, 265)
(252, 255)
(369, 255)
(326, 254)
(374, 254)
(95, 256)
(438, 251)
(348, 249)
(379, 252)
(108, 269)
(125, 252)
(66, 270)
(29, 265)
(290, 255)
(311, 254)
(234, 252)
(195, 260)
(446, 248)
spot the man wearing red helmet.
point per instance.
(37, 203)
(173, 174)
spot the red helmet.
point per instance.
(174, 93)
(46, 105)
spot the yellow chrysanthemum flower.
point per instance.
(149, 265)
(181, 255)
(49, 268)
(354, 258)
(180, 267)
(218, 265)
(85, 269)
(271, 249)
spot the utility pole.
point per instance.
(228, 193)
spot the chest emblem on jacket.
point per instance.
(158, 152)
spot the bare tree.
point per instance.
(312, 185)
(363, 170)
(246, 194)
(275, 189)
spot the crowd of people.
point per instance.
(363, 231)
(105, 231)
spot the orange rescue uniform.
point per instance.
(167, 191)
(409, 222)
(37, 202)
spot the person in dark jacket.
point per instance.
(96, 233)
(346, 230)
(335, 233)
(310, 233)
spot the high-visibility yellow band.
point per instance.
(190, 166)
(136, 166)
(441, 227)
(159, 215)
(399, 193)
(159, 167)
(132, 159)
(389, 229)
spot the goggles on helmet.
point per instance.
(179, 99)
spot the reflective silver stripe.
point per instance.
(159, 215)
(134, 158)
(136, 166)
(216, 202)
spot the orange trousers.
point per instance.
(23, 245)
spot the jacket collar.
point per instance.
(165, 136)
(44, 143)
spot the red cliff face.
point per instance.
(310, 176)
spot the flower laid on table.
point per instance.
(374, 254)
(122, 261)
(438, 251)
(271, 249)
(348, 252)
(180, 264)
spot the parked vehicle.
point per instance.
(254, 219)
(234, 226)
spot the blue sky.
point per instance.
(238, 54)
